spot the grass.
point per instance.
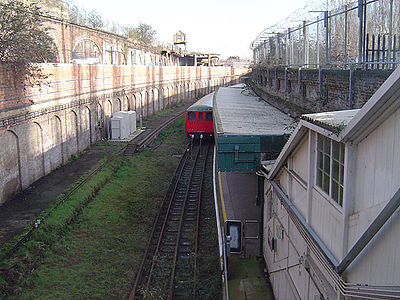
(91, 245)
(246, 280)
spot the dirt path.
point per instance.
(16, 213)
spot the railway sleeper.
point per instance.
(184, 250)
(169, 243)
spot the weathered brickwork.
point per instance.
(314, 90)
(40, 128)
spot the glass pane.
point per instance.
(327, 164)
(320, 160)
(342, 153)
(335, 150)
(326, 183)
(341, 196)
(200, 116)
(341, 174)
(319, 178)
(191, 116)
(327, 145)
(209, 116)
(335, 191)
(320, 142)
(335, 170)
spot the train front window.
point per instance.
(209, 116)
(200, 116)
(191, 116)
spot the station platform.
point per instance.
(237, 201)
(248, 131)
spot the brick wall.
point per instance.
(314, 91)
(41, 127)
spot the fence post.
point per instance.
(288, 62)
(360, 30)
(320, 81)
(326, 37)
(345, 35)
(390, 56)
(299, 80)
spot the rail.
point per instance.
(169, 266)
(148, 139)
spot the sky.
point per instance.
(226, 27)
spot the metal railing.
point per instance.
(365, 33)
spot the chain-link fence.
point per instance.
(362, 34)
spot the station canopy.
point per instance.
(247, 129)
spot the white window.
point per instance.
(330, 167)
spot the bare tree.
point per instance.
(95, 19)
(143, 33)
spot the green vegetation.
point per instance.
(246, 280)
(90, 246)
(24, 40)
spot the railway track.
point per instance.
(169, 266)
(137, 143)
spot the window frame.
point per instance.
(330, 153)
(191, 113)
(209, 113)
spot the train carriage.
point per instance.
(199, 118)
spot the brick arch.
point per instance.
(85, 48)
(10, 161)
(55, 151)
(40, 144)
(87, 117)
(72, 134)
(118, 105)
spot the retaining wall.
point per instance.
(41, 127)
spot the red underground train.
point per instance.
(199, 118)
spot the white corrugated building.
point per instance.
(331, 216)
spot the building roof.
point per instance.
(349, 125)
(238, 112)
(334, 120)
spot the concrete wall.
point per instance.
(310, 90)
(41, 127)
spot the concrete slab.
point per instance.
(238, 202)
(238, 112)
(246, 280)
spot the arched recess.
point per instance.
(10, 165)
(86, 50)
(187, 91)
(107, 117)
(86, 127)
(119, 105)
(156, 102)
(176, 94)
(152, 102)
(165, 97)
(192, 90)
(146, 103)
(56, 152)
(160, 93)
(38, 151)
(126, 106)
(100, 119)
(212, 86)
(133, 102)
(72, 140)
